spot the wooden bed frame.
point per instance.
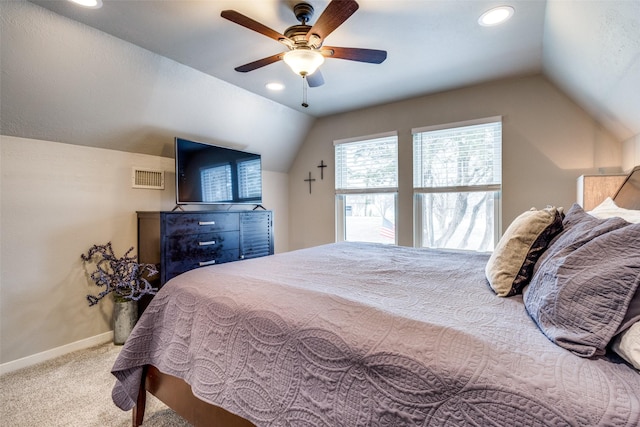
(177, 394)
(627, 195)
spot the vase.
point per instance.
(125, 316)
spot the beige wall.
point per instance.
(548, 141)
(631, 153)
(56, 201)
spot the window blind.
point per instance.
(463, 156)
(368, 164)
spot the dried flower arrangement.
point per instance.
(124, 276)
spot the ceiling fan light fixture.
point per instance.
(303, 61)
(496, 16)
(91, 4)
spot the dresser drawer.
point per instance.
(181, 241)
(179, 266)
(194, 223)
(202, 246)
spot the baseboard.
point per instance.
(34, 359)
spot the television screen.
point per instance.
(209, 174)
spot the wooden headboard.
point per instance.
(628, 195)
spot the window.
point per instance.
(366, 188)
(457, 183)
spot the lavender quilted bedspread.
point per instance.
(354, 334)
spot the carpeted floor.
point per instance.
(73, 391)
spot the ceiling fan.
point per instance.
(305, 42)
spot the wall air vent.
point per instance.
(151, 179)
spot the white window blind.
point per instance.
(465, 156)
(367, 165)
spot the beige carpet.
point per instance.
(73, 391)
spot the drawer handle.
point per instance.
(210, 242)
(206, 223)
(203, 263)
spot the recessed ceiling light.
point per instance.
(274, 86)
(496, 16)
(91, 4)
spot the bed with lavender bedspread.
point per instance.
(356, 334)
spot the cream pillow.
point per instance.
(609, 209)
(627, 345)
(510, 266)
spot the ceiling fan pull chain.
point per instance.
(304, 92)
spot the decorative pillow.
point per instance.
(609, 209)
(584, 282)
(511, 264)
(633, 313)
(627, 345)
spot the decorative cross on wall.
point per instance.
(322, 166)
(310, 180)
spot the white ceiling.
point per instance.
(589, 48)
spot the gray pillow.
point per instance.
(584, 282)
(633, 313)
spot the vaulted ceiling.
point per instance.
(589, 49)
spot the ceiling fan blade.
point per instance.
(251, 24)
(333, 15)
(372, 56)
(316, 79)
(259, 63)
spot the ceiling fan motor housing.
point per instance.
(303, 12)
(298, 34)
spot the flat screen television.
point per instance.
(210, 174)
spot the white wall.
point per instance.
(56, 201)
(548, 141)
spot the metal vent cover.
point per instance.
(151, 179)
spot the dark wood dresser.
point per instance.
(181, 241)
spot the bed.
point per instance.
(358, 334)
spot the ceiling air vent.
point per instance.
(152, 179)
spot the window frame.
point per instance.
(495, 188)
(340, 194)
